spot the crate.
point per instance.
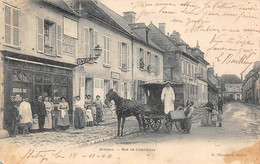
(177, 114)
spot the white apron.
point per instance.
(168, 98)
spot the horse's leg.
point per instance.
(122, 126)
(119, 122)
(139, 122)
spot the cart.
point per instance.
(154, 108)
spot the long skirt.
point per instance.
(99, 115)
(64, 122)
(209, 118)
(204, 119)
(79, 120)
(188, 124)
(48, 121)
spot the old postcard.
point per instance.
(129, 81)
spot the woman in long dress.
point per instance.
(63, 118)
(48, 118)
(79, 120)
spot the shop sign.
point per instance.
(115, 75)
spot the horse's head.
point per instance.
(111, 95)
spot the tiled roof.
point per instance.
(127, 25)
(62, 5)
(231, 79)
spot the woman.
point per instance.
(79, 120)
(63, 118)
(99, 112)
(48, 118)
(206, 118)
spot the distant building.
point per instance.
(233, 86)
(251, 85)
(182, 63)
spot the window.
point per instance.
(149, 58)
(123, 56)
(192, 70)
(106, 50)
(183, 66)
(49, 37)
(141, 58)
(157, 64)
(189, 73)
(12, 26)
(90, 41)
(187, 68)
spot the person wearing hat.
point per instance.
(12, 115)
(168, 97)
(40, 110)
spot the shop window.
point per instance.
(22, 76)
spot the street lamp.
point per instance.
(91, 60)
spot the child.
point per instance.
(220, 117)
(35, 124)
(188, 111)
(112, 108)
(88, 117)
(214, 116)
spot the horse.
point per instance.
(126, 108)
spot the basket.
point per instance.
(177, 114)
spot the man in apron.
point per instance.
(168, 97)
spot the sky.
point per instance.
(227, 31)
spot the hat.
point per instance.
(17, 97)
(168, 82)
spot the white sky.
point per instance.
(211, 18)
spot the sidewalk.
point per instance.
(72, 138)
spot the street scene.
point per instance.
(87, 81)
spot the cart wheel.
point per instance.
(155, 124)
(147, 124)
(178, 126)
(167, 125)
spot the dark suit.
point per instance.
(40, 110)
(11, 117)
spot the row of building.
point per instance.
(42, 40)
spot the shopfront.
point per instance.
(32, 79)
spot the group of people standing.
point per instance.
(213, 114)
(42, 115)
(88, 113)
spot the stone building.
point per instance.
(251, 85)
(182, 63)
(233, 87)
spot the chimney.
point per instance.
(241, 76)
(130, 16)
(211, 71)
(162, 27)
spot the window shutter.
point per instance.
(138, 57)
(59, 39)
(53, 38)
(159, 65)
(145, 58)
(86, 42)
(7, 24)
(120, 54)
(16, 25)
(128, 58)
(40, 41)
(105, 49)
(95, 38)
(128, 90)
(108, 51)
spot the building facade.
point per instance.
(233, 87)
(251, 85)
(37, 49)
(182, 64)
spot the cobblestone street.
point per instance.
(73, 138)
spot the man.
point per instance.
(168, 97)
(25, 113)
(39, 109)
(11, 116)
(188, 111)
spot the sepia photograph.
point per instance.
(129, 81)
